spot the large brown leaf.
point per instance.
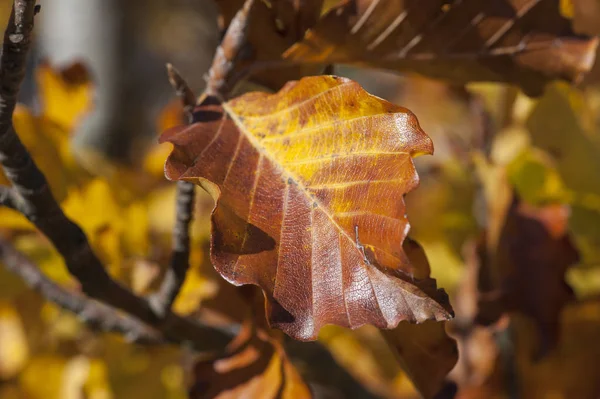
(526, 42)
(309, 184)
(425, 351)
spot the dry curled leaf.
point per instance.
(425, 351)
(309, 184)
(255, 366)
(533, 254)
(521, 42)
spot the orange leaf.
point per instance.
(309, 184)
(255, 366)
(522, 42)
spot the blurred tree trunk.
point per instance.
(127, 65)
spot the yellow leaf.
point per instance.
(564, 125)
(37, 249)
(536, 180)
(60, 324)
(585, 281)
(95, 208)
(43, 149)
(65, 93)
(73, 378)
(97, 385)
(144, 273)
(567, 9)
(171, 115)
(85, 378)
(195, 289)
(161, 210)
(154, 161)
(14, 349)
(14, 220)
(46, 368)
(366, 356)
(135, 230)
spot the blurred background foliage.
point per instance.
(97, 80)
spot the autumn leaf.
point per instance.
(533, 254)
(563, 123)
(65, 92)
(14, 349)
(425, 351)
(280, 24)
(571, 371)
(585, 15)
(368, 358)
(523, 42)
(309, 184)
(255, 366)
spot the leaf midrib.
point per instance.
(262, 150)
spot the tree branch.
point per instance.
(36, 202)
(217, 86)
(7, 197)
(95, 314)
(30, 194)
(162, 301)
(228, 52)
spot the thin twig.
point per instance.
(174, 278)
(217, 86)
(219, 75)
(183, 91)
(7, 197)
(180, 256)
